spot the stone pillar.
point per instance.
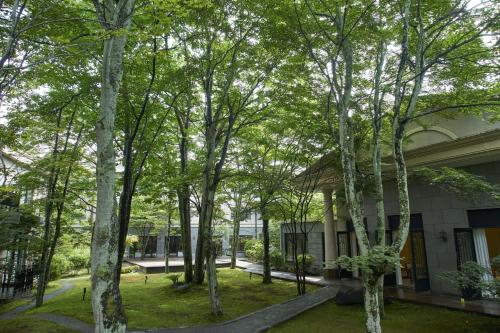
(330, 233)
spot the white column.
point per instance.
(481, 247)
(330, 232)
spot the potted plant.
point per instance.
(469, 280)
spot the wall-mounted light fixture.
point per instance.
(444, 236)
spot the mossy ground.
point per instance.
(12, 304)
(400, 317)
(158, 304)
(29, 325)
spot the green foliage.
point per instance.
(60, 266)
(254, 250)
(80, 259)
(495, 263)
(470, 279)
(379, 260)
(305, 261)
(130, 269)
(276, 259)
(131, 240)
(459, 182)
(174, 278)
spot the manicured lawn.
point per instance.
(400, 318)
(158, 304)
(12, 304)
(28, 325)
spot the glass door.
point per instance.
(419, 261)
(464, 244)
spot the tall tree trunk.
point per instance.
(185, 221)
(348, 159)
(377, 162)
(167, 244)
(235, 242)
(206, 215)
(199, 272)
(49, 206)
(213, 287)
(184, 205)
(45, 252)
(125, 203)
(109, 315)
(371, 305)
(266, 263)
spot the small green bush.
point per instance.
(129, 269)
(254, 250)
(59, 266)
(308, 261)
(276, 260)
(80, 259)
(174, 278)
(495, 263)
(469, 279)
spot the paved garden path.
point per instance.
(66, 285)
(257, 321)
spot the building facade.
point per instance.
(446, 228)
(250, 228)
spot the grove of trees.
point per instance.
(139, 112)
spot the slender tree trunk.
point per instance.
(266, 263)
(213, 287)
(44, 258)
(109, 315)
(185, 221)
(235, 242)
(49, 205)
(348, 159)
(125, 204)
(210, 251)
(199, 272)
(377, 162)
(167, 245)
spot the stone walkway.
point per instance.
(66, 285)
(310, 279)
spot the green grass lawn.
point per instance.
(12, 304)
(400, 318)
(28, 325)
(158, 304)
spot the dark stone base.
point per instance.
(330, 274)
(353, 296)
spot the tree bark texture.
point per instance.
(109, 315)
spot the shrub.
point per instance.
(254, 250)
(59, 266)
(469, 279)
(80, 259)
(308, 261)
(174, 278)
(129, 269)
(276, 259)
(495, 264)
